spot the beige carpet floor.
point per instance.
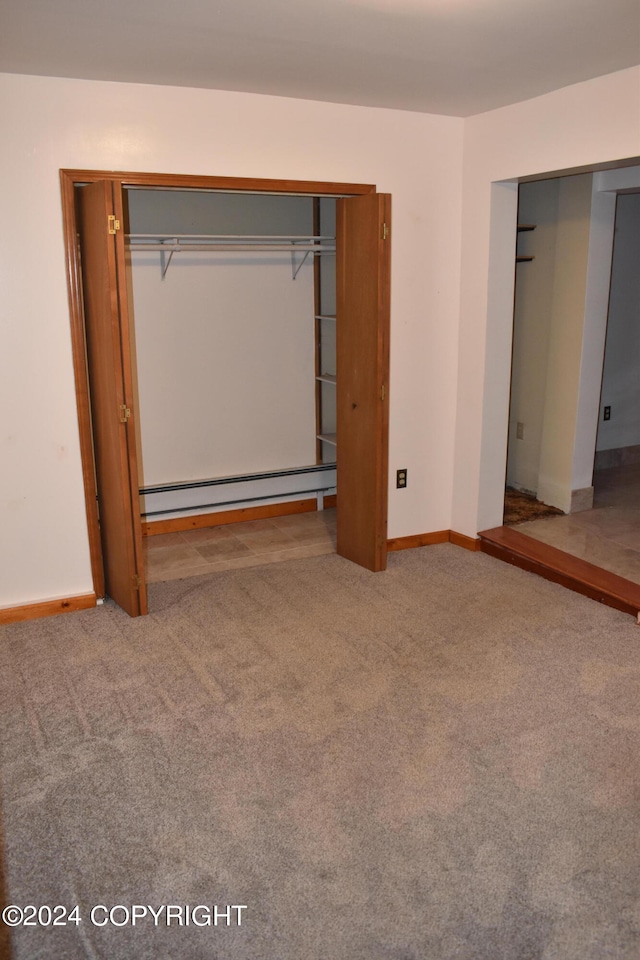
(441, 761)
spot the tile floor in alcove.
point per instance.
(609, 534)
(172, 556)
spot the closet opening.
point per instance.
(239, 330)
(236, 386)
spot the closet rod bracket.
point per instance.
(165, 261)
(295, 270)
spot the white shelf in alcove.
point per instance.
(327, 378)
(325, 316)
(328, 438)
(524, 227)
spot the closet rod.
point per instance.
(229, 242)
(225, 236)
(228, 247)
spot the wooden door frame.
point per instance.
(69, 180)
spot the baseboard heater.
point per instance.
(196, 496)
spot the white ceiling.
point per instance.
(456, 57)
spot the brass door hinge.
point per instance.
(385, 231)
(113, 225)
(125, 413)
(137, 581)
(383, 392)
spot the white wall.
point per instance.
(595, 326)
(224, 341)
(226, 374)
(200, 211)
(52, 123)
(588, 123)
(621, 377)
(566, 327)
(538, 204)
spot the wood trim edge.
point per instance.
(429, 539)
(189, 181)
(553, 564)
(46, 608)
(461, 540)
(418, 540)
(154, 528)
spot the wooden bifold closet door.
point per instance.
(362, 343)
(112, 397)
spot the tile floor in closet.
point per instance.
(609, 534)
(172, 556)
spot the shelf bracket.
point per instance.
(295, 270)
(165, 261)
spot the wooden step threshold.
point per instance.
(513, 547)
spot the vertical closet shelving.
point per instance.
(326, 438)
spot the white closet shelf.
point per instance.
(327, 378)
(202, 241)
(325, 316)
(229, 243)
(328, 438)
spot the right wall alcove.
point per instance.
(548, 333)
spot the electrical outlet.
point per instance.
(401, 477)
(519, 431)
(606, 415)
